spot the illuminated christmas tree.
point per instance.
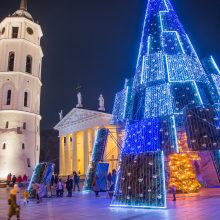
(171, 92)
(182, 175)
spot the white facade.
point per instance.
(20, 88)
(77, 132)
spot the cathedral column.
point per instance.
(68, 158)
(74, 155)
(62, 157)
(86, 151)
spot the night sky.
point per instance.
(95, 43)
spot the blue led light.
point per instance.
(169, 79)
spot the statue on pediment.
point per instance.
(79, 97)
(61, 115)
(101, 103)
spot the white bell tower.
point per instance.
(20, 88)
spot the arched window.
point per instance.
(29, 64)
(4, 146)
(26, 99)
(7, 124)
(24, 125)
(23, 146)
(11, 61)
(8, 100)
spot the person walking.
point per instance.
(25, 197)
(109, 180)
(76, 181)
(173, 191)
(14, 202)
(36, 187)
(69, 186)
(14, 179)
(96, 187)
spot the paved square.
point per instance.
(202, 206)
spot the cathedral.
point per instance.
(77, 134)
(20, 88)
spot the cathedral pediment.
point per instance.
(79, 116)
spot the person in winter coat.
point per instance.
(109, 180)
(60, 188)
(14, 202)
(24, 180)
(36, 187)
(173, 191)
(69, 186)
(76, 181)
(9, 180)
(14, 179)
(19, 180)
(96, 187)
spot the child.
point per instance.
(60, 188)
(25, 196)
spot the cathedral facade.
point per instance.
(77, 134)
(20, 88)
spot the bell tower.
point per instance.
(20, 88)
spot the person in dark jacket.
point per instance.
(96, 187)
(76, 181)
(8, 180)
(69, 186)
(14, 179)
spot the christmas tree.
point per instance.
(171, 92)
(181, 173)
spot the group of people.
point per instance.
(71, 183)
(21, 181)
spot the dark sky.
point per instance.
(95, 43)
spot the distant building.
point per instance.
(77, 132)
(20, 88)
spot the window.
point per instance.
(15, 32)
(8, 101)
(28, 162)
(24, 126)
(64, 140)
(30, 31)
(23, 146)
(7, 124)
(19, 130)
(11, 61)
(28, 64)
(3, 30)
(4, 146)
(26, 99)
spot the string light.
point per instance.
(164, 109)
